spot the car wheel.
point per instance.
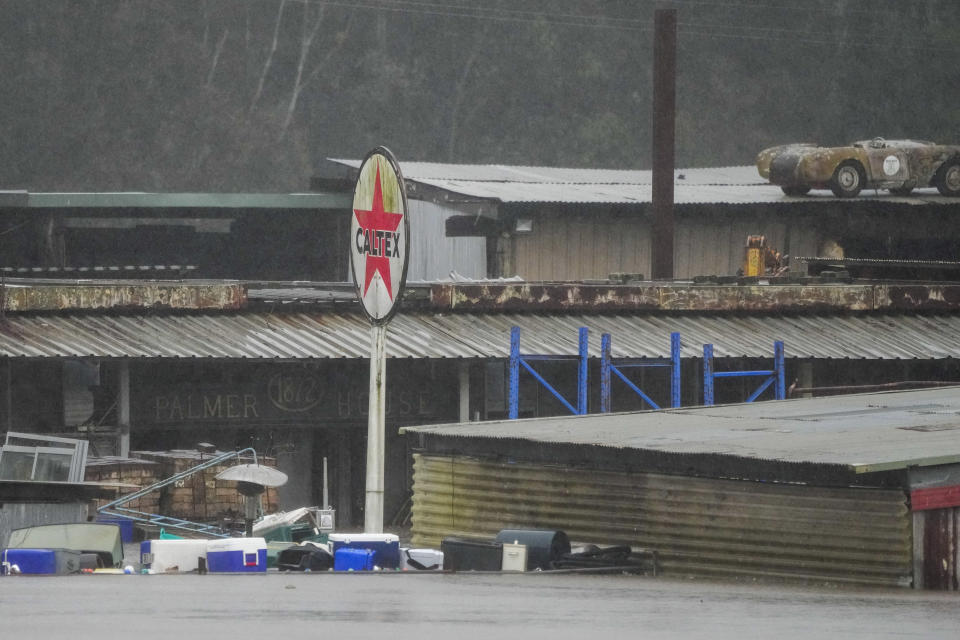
(901, 191)
(796, 190)
(848, 179)
(947, 179)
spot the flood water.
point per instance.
(284, 606)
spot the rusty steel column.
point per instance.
(664, 116)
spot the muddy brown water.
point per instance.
(458, 607)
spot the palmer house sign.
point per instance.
(281, 398)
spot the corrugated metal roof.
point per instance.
(518, 192)
(136, 200)
(429, 335)
(865, 433)
(522, 184)
(883, 336)
(426, 171)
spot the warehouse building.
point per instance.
(860, 489)
(136, 365)
(564, 224)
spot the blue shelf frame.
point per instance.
(517, 360)
(608, 367)
(775, 376)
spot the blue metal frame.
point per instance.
(516, 361)
(607, 367)
(776, 376)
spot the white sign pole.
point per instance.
(373, 510)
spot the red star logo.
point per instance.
(377, 246)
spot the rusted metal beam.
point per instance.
(116, 295)
(599, 297)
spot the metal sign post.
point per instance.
(376, 427)
(379, 243)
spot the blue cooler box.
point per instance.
(347, 559)
(237, 555)
(386, 546)
(42, 561)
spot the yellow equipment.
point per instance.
(761, 260)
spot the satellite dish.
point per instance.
(254, 474)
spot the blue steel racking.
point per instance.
(769, 377)
(607, 367)
(517, 360)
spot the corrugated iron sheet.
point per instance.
(140, 200)
(433, 255)
(423, 171)
(518, 184)
(698, 526)
(935, 498)
(16, 515)
(861, 433)
(435, 335)
(577, 248)
(517, 192)
(883, 336)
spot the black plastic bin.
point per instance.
(465, 554)
(305, 557)
(544, 546)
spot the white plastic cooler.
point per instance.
(162, 556)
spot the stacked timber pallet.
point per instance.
(199, 497)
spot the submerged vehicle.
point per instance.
(897, 165)
(64, 548)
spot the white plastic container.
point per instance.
(514, 557)
(386, 545)
(427, 559)
(164, 556)
(237, 555)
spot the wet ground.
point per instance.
(458, 607)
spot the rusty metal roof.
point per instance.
(325, 334)
(863, 433)
(525, 184)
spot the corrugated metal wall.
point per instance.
(562, 248)
(698, 526)
(433, 255)
(15, 515)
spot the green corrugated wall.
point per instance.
(698, 526)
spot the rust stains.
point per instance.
(536, 297)
(103, 295)
(937, 297)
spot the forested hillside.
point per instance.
(244, 95)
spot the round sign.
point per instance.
(891, 165)
(379, 235)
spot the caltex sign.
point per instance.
(379, 235)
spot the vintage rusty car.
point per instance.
(897, 165)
